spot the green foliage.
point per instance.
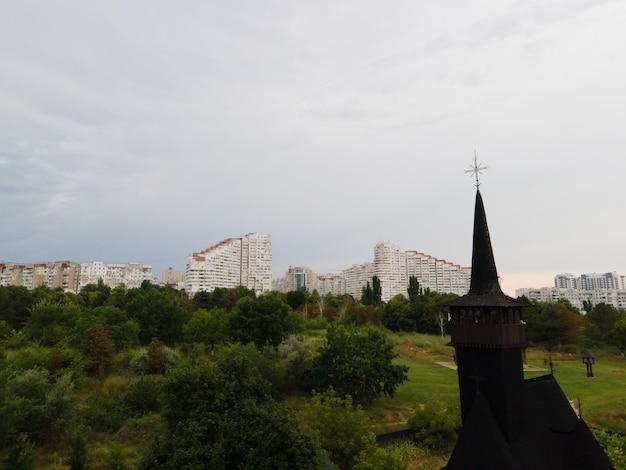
(78, 458)
(220, 415)
(15, 305)
(265, 361)
(296, 298)
(49, 322)
(372, 295)
(22, 456)
(105, 412)
(143, 395)
(139, 362)
(316, 323)
(357, 361)
(264, 320)
(60, 406)
(435, 425)
(159, 312)
(599, 325)
(342, 430)
(297, 354)
(380, 458)
(124, 332)
(208, 327)
(28, 357)
(95, 295)
(221, 297)
(552, 324)
(614, 447)
(422, 312)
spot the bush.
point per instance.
(139, 362)
(143, 396)
(435, 425)
(105, 413)
(614, 447)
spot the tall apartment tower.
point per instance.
(233, 262)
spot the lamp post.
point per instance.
(588, 359)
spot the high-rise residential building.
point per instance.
(233, 262)
(171, 277)
(59, 274)
(593, 288)
(393, 266)
(297, 278)
(357, 276)
(566, 281)
(131, 275)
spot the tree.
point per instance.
(208, 327)
(263, 320)
(619, 334)
(221, 415)
(15, 305)
(398, 314)
(343, 430)
(296, 298)
(98, 350)
(49, 322)
(95, 295)
(372, 295)
(552, 324)
(414, 289)
(600, 323)
(159, 313)
(123, 332)
(435, 425)
(357, 361)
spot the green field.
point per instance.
(602, 398)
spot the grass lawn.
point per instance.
(602, 398)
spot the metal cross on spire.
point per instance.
(476, 169)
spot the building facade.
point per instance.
(130, 275)
(233, 262)
(72, 277)
(595, 288)
(393, 266)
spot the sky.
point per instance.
(143, 131)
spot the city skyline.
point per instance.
(129, 136)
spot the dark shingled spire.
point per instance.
(484, 272)
(485, 288)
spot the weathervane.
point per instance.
(476, 169)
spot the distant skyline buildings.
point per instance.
(71, 276)
(608, 288)
(392, 265)
(245, 261)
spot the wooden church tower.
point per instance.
(508, 422)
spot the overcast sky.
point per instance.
(146, 130)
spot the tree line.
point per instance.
(206, 378)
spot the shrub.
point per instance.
(105, 413)
(435, 425)
(139, 362)
(143, 396)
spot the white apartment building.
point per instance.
(605, 288)
(59, 274)
(131, 275)
(245, 261)
(393, 266)
(357, 276)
